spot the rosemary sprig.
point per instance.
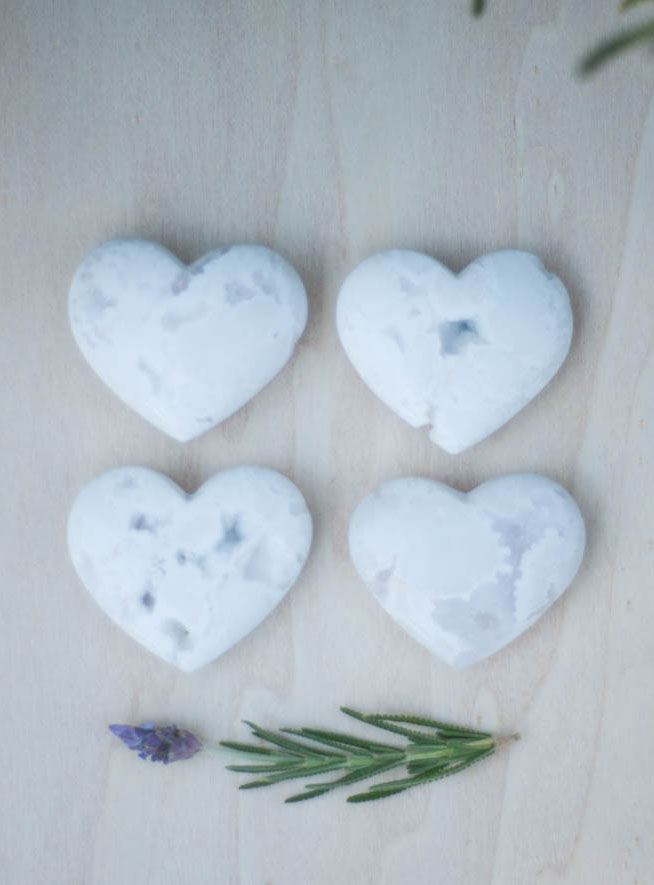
(607, 49)
(628, 4)
(625, 39)
(432, 750)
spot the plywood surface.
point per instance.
(327, 131)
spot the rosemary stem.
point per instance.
(505, 738)
(421, 751)
(246, 754)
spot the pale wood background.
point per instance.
(327, 130)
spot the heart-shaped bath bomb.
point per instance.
(460, 353)
(186, 346)
(187, 576)
(466, 574)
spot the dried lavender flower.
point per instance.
(165, 744)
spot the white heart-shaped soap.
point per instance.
(460, 353)
(187, 576)
(466, 574)
(186, 346)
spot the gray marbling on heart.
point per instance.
(186, 346)
(458, 353)
(467, 574)
(188, 576)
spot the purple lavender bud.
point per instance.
(166, 743)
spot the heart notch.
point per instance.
(462, 353)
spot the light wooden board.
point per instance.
(327, 131)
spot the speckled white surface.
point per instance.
(187, 576)
(459, 353)
(186, 346)
(465, 574)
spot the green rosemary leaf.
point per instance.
(353, 749)
(478, 6)
(248, 748)
(417, 737)
(379, 722)
(343, 740)
(628, 4)
(261, 769)
(360, 774)
(371, 795)
(623, 40)
(310, 794)
(253, 785)
(296, 747)
(443, 727)
(307, 771)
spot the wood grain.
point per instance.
(326, 130)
